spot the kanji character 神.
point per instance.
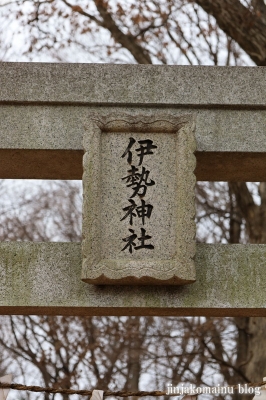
(142, 211)
(130, 211)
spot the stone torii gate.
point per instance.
(44, 113)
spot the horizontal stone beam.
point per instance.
(102, 84)
(45, 141)
(44, 109)
(44, 278)
(67, 164)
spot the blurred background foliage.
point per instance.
(132, 352)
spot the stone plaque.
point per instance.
(138, 206)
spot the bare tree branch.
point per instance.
(241, 24)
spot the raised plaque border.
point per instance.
(179, 270)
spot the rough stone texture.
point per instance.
(230, 143)
(43, 114)
(46, 106)
(62, 127)
(108, 259)
(132, 84)
(41, 127)
(44, 278)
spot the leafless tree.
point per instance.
(220, 32)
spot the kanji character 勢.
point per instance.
(138, 181)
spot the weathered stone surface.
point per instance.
(44, 278)
(53, 127)
(132, 84)
(163, 246)
(43, 115)
(41, 141)
(42, 127)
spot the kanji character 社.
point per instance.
(142, 241)
(130, 241)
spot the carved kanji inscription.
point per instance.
(138, 211)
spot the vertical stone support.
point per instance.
(138, 205)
